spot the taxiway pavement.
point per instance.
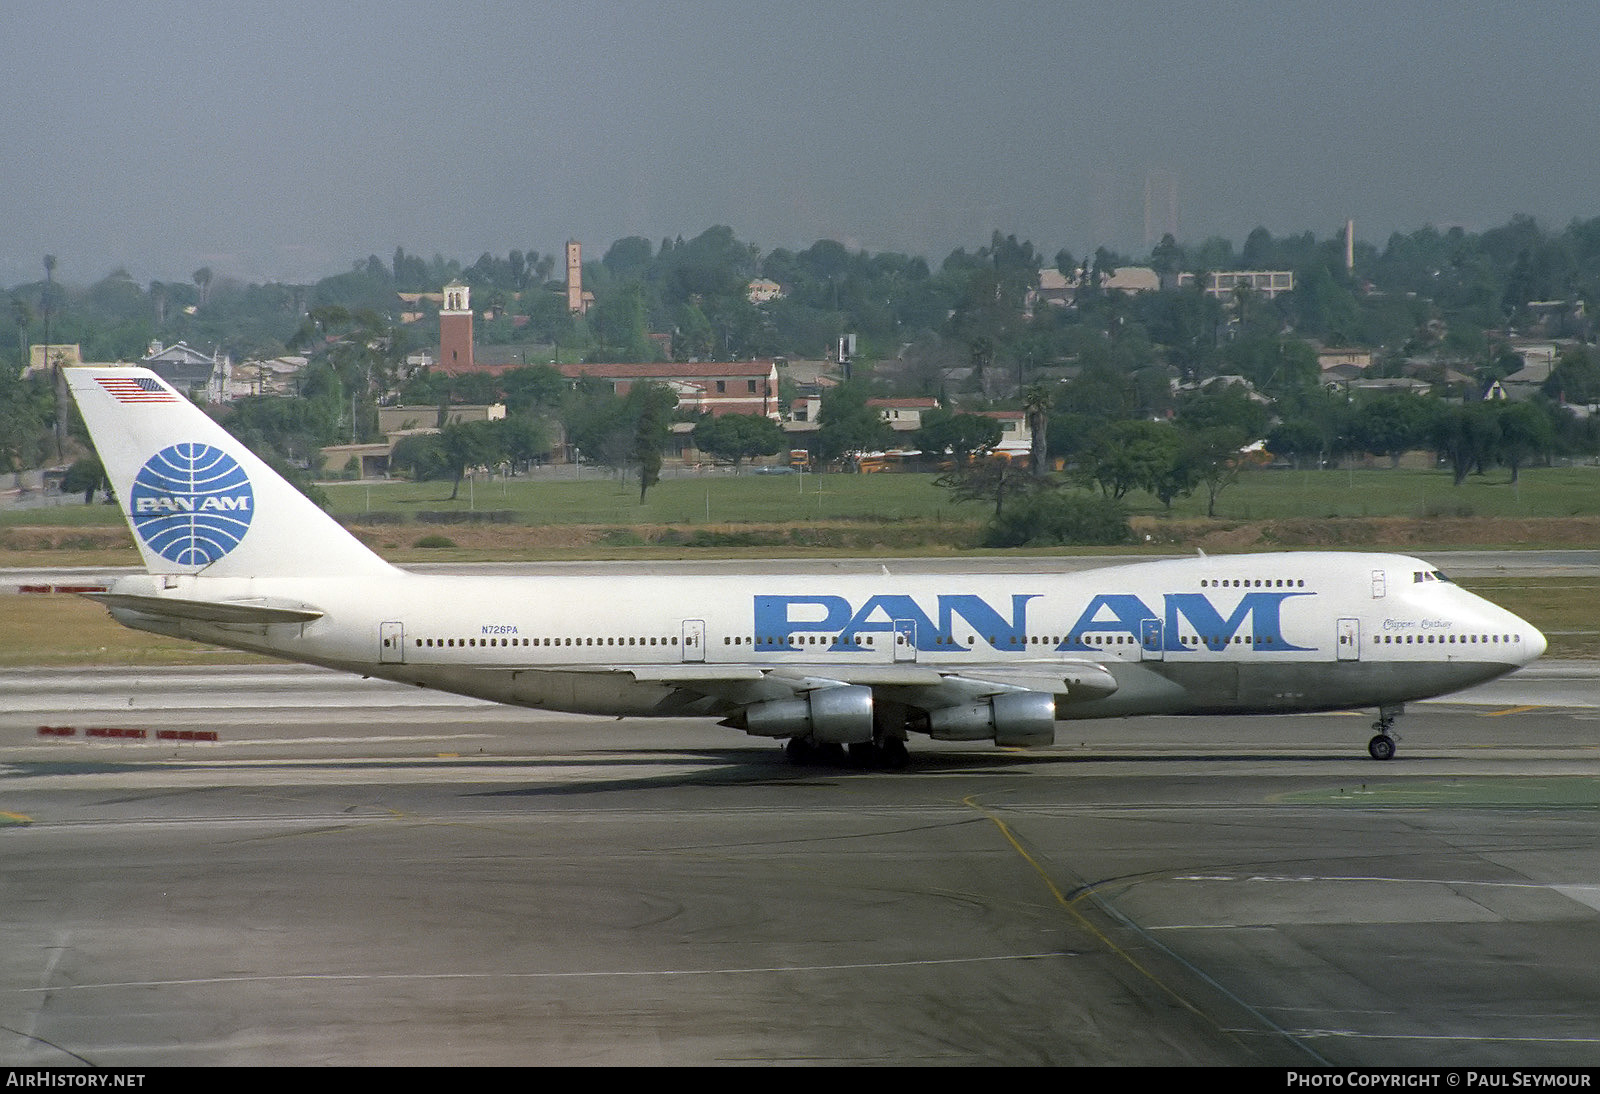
(345, 876)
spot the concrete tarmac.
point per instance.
(356, 873)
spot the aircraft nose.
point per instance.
(1533, 641)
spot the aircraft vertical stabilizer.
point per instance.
(199, 501)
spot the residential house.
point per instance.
(704, 387)
(763, 289)
(274, 376)
(204, 377)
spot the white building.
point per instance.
(1222, 283)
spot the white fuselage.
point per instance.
(1250, 633)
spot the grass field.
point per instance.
(1259, 495)
(725, 498)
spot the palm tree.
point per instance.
(1037, 401)
(202, 278)
(21, 315)
(55, 364)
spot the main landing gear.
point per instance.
(1382, 746)
(880, 753)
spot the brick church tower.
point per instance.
(455, 329)
(575, 301)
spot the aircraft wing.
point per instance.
(920, 684)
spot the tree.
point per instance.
(628, 258)
(1299, 439)
(421, 455)
(847, 426)
(21, 315)
(292, 430)
(202, 278)
(468, 444)
(25, 432)
(1177, 479)
(1391, 425)
(1468, 437)
(598, 427)
(961, 435)
(1225, 405)
(653, 403)
(1272, 364)
(1576, 377)
(1214, 453)
(1167, 258)
(57, 377)
(1036, 402)
(734, 438)
(1124, 456)
(524, 440)
(991, 478)
(533, 386)
(362, 349)
(1525, 434)
(85, 476)
(620, 321)
(1047, 518)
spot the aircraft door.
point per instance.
(1349, 641)
(391, 643)
(1151, 640)
(905, 640)
(694, 640)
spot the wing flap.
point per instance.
(1077, 680)
(677, 673)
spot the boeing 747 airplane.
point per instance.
(237, 557)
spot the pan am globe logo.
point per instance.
(191, 503)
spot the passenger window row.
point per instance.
(1443, 639)
(798, 640)
(458, 643)
(1255, 583)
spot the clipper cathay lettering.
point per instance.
(825, 661)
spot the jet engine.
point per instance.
(837, 715)
(1016, 718)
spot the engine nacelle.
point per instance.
(1015, 718)
(841, 715)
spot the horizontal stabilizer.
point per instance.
(209, 611)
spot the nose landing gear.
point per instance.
(1382, 746)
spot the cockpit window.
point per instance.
(1419, 576)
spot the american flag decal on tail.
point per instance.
(136, 389)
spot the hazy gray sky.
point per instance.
(287, 140)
